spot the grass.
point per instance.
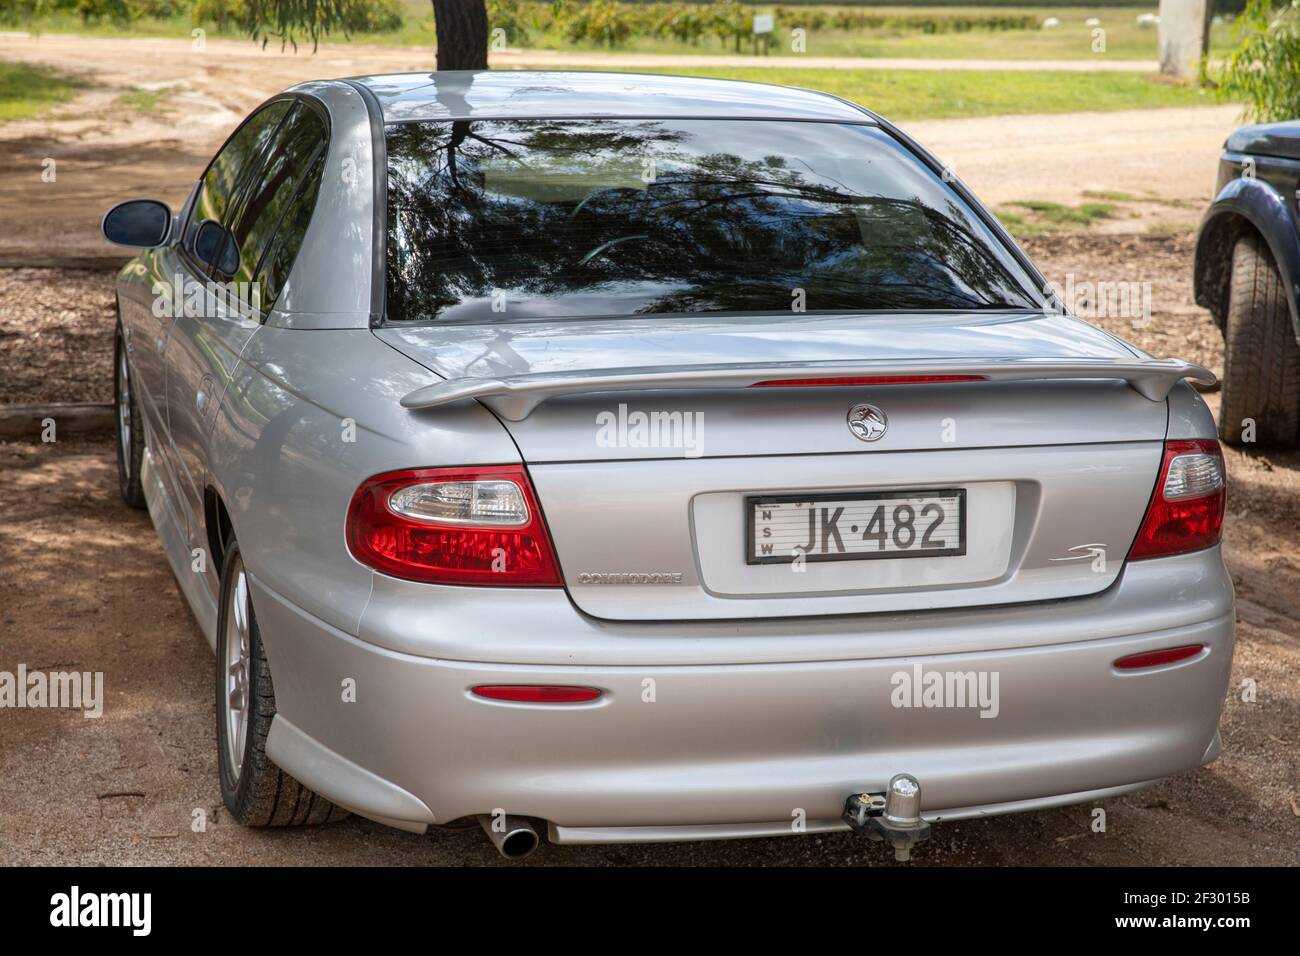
(1034, 217)
(902, 95)
(1026, 218)
(1114, 195)
(936, 94)
(149, 102)
(27, 91)
(1071, 40)
(1059, 214)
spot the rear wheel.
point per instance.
(1261, 365)
(256, 792)
(130, 429)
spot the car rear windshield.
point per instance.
(503, 220)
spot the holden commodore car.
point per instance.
(648, 458)
(1247, 274)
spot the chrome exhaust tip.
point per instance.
(514, 837)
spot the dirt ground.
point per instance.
(56, 325)
(94, 593)
(56, 336)
(86, 587)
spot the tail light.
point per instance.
(454, 526)
(1186, 509)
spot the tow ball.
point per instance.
(893, 816)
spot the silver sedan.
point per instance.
(654, 458)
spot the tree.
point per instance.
(462, 25)
(1265, 70)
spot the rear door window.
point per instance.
(298, 144)
(219, 188)
(288, 238)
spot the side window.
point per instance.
(300, 139)
(219, 187)
(288, 238)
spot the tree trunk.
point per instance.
(462, 29)
(1183, 36)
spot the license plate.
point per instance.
(856, 526)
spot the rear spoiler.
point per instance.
(515, 397)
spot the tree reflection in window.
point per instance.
(504, 219)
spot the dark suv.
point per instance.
(1248, 276)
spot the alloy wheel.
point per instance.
(236, 662)
(124, 410)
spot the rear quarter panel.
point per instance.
(308, 415)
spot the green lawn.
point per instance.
(27, 91)
(905, 95)
(1071, 40)
(935, 94)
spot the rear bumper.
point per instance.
(740, 831)
(709, 750)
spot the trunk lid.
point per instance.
(646, 490)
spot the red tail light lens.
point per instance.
(1186, 509)
(1167, 655)
(537, 693)
(866, 380)
(454, 526)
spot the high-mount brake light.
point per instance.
(866, 380)
(473, 525)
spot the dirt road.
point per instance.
(86, 587)
(104, 150)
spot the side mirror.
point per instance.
(215, 245)
(143, 223)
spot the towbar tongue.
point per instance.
(893, 816)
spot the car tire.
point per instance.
(255, 791)
(130, 427)
(1261, 366)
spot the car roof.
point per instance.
(529, 94)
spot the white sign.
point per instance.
(764, 23)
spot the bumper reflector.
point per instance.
(1167, 655)
(536, 693)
